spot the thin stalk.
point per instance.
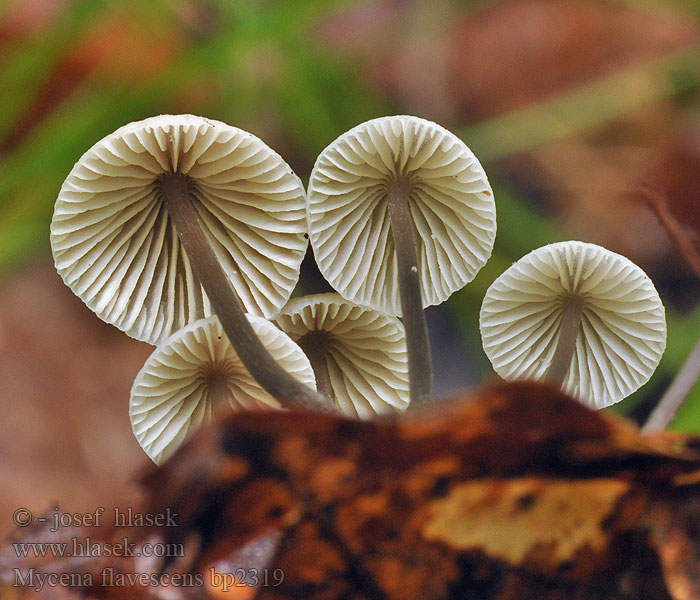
(176, 189)
(312, 344)
(675, 395)
(216, 378)
(564, 352)
(420, 367)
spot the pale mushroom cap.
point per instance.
(451, 203)
(622, 334)
(197, 374)
(365, 351)
(115, 247)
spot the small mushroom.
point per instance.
(358, 354)
(115, 243)
(400, 216)
(578, 315)
(166, 209)
(196, 376)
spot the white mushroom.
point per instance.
(578, 315)
(358, 354)
(166, 209)
(400, 215)
(115, 245)
(196, 376)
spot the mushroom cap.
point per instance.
(622, 334)
(195, 375)
(451, 203)
(365, 351)
(115, 247)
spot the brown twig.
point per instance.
(656, 201)
(687, 377)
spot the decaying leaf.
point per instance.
(515, 492)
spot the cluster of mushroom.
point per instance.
(189, 234)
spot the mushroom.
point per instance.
(581, 316)
(358, 354)
(196, 376)
(166, 209)
(400, 215)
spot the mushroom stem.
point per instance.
(564, 352)
(420, 367)
(176, 189)
(312, 344)
(216, 381)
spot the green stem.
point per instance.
(420, 368)
(564, 352)
(176, 189)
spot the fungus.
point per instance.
(358, 354)
(400, 216)
(196, 375)
(578, 315)
(167, 215)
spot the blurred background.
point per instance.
(571, 105)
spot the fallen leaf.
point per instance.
(518, 491)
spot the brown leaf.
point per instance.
(516, 492)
